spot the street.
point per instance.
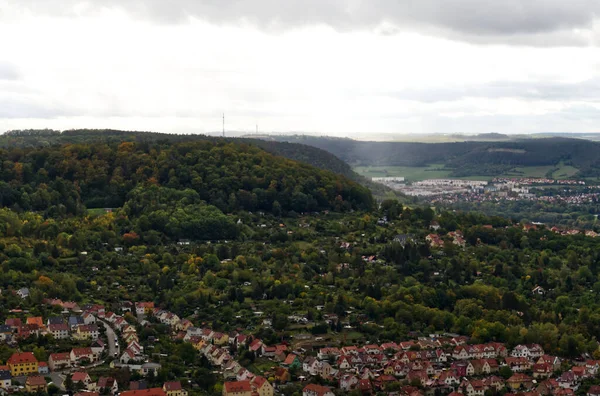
(112, 346)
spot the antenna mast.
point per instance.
(223, 124)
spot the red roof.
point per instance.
(23, 357)
(237, 386)
(172, 386)
(56, 357)
(35, 380)
(258, 382)
(317, 389)
(289, 359)
(82, 351)
(144, 392)
(79, 376)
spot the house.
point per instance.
(538, 290)
(75, 321)
(292, 361)
(138, 385)
(35, 320)
(174, 388)
(542, 370)
(518, 381)
(23, 292)
(282, 375)
(129, 356)
(593, 391)
(531, 351)
(518, 364)
(86, 332)
(148, 367)
(43, 368)
(348, 382)
(88, 318)
(145, 392)
(316, 390)
(237, 388)
(6, 333)
(107, 385)
(5, 379)
(261, 386)
(81, 377)
(14, 323)
(35, 384)
(59, 331)
(59, 361)
(82, 355)
(142, 308)
(403, 239)
(22, 363)
(220, 339)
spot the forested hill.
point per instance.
(298, 152)
(464, 157)
(228, 175)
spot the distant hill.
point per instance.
(229, 175)
(464, 158)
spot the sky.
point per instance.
(353, 68)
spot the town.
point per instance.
(436, 364)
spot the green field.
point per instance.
(437, 171)
(410, 173)
(96, 212)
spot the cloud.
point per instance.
(8, 72)
(587, 90)
(513, 22)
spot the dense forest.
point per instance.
(60, 180)
(464, 158)
(298, 152)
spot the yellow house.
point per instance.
(35, 384)
(261, 386)
(220, 339)
(22, 363)
(198, 343)
(174, 389)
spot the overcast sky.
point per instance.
(338, 67)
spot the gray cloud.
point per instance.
(588, 90)
(530, 22)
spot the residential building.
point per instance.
(59, 361)
(174, 388)
(36, 384)
(237, 388)
(22, 363)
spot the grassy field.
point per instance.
(410, 173)
(437, 171)
(96, 212)
(564, 171)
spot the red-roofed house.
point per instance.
(144, 392)
(237, 388)
(261, 386)
(59, 361)
(22, 363)
(174, 388)
(316, 390)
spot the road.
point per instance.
(112, 345)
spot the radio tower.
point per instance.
(223, 124)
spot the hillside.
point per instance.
(298, 152)
(61, 180)
(464, 158)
